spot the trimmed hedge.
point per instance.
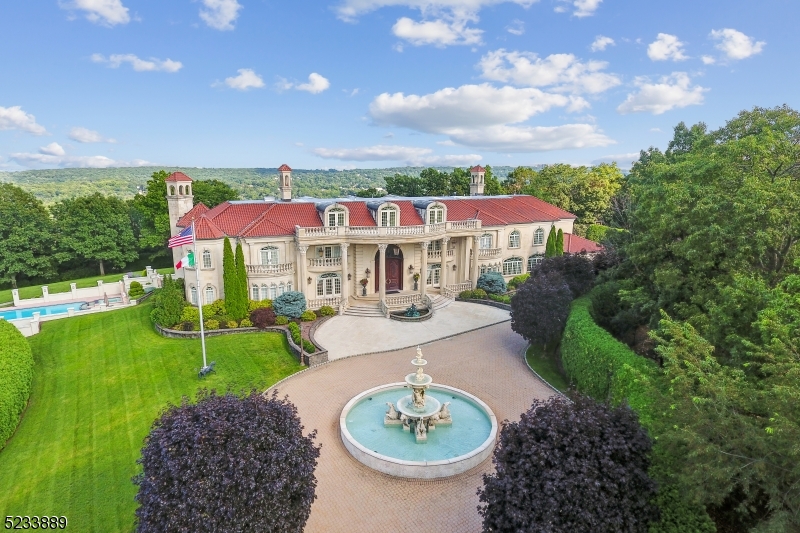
(601, 366)
(294, 330)
(16, 378)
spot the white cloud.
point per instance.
(447, 142)
(412, 155)
(54, 156)
(583, 8)
(220, 14)
(602, 42)
(14, 118)
(563, 72)
(517, 27)
(350, 10)
(316, 84)
(532, 138)
(623, 160)
(106, 12)
(139, 65)
(247, 79)
(436, 32)
(666, 47)
(673, 91)
(84, 135)
(735, 44)
(708, 60)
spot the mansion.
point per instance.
(390, 251)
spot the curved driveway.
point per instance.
(353, 498)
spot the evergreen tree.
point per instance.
(229, 276)
(550, 245)
(560, 243)
(238, 308)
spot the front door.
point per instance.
(394, 270)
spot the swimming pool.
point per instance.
(45, 310)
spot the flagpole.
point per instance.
(199, 295)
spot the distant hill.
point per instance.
(53, 185)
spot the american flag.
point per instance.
(184, 237)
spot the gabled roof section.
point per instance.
(409, 216)
(359, 214)
(194, 212)
(178, 176)
(206, 229)
(503, 210)
(284, 168)
(575, 244)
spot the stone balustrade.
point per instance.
(488, 253)
(403, 300)
(452, 291)
(325, 262)
(319, 302)
(271, 270)
(437, 254)
(379, 231)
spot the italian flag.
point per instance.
(186, 261)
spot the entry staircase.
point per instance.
(370, 306)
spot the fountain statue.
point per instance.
(412, 312)
(415, 409)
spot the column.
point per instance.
(475, 271)
(345, 283)
(382, 272)
(302, 284)
(443, 272)
(423, 274)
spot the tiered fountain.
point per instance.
(438, 448)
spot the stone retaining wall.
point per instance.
(490, 303)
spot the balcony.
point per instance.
(271, 270)
(437, 254)
(431, 230)
(325, 262)
(489, 253)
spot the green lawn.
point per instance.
(546, 367)
(100, 381)
(63, 286)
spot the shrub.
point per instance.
(168, 304)
(291, 304)
(281, 320)
(187, 326)
(252, 305)
(308, 316)
(16, 378)
(502, 298)
(232, 324)
(596, 232)
(191, 314)
(245, 323)
(190, 482)
(327, 310)
(492, 283)
(294, 331)
(590, 460)
(576, 269)
(135, 290)
(479, 294)
(217, 307)
(308, 346)
(465, 294)
(209, 310)
(211, 324)
(539, 309)
(516, 281)
(263, 317)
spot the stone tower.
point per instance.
(180, 201)
(477, 174)
(285, 182)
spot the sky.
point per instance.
(379, 83)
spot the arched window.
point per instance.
(193, 294)
(172, 190)
(273, 291)
(434, 272)
(435, 214)
(512, 266)
(486, 241)
(538, 237)
(389, 216)
(535, 259)
(255, 292)
(336, 217)
(289, 286)
(188, 190)
(281, 288)
(180, 189)
(329, 284)
(210, 294)
(513, 239)
(269, 255)
(206, 259)
(264, 292)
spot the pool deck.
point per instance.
(487, 362)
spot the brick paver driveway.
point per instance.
(355, 499)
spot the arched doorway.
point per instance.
(394, 269)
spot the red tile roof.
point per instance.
(284, 167)
(477, 168)
(574, 244)
(178, 176)
(409, 216)
(206, 229)
(501, 211)
(359, 214)
(194, 212)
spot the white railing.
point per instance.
(451, 253)
(403, 300)
(271, 270)
(319, 302)
(452, 291)
(325, 262)
(488, 253)
(434, 254)
(377, 231)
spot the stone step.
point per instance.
(363, 310)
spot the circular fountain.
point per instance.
(436, 431)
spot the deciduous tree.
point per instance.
(26, 243)
(213, 192)
(540, 307)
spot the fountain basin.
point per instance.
(450, 450)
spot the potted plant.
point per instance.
(416, 280)
(363, 283)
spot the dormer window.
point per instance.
(435, 214)
(388, 216)
(336, 217)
